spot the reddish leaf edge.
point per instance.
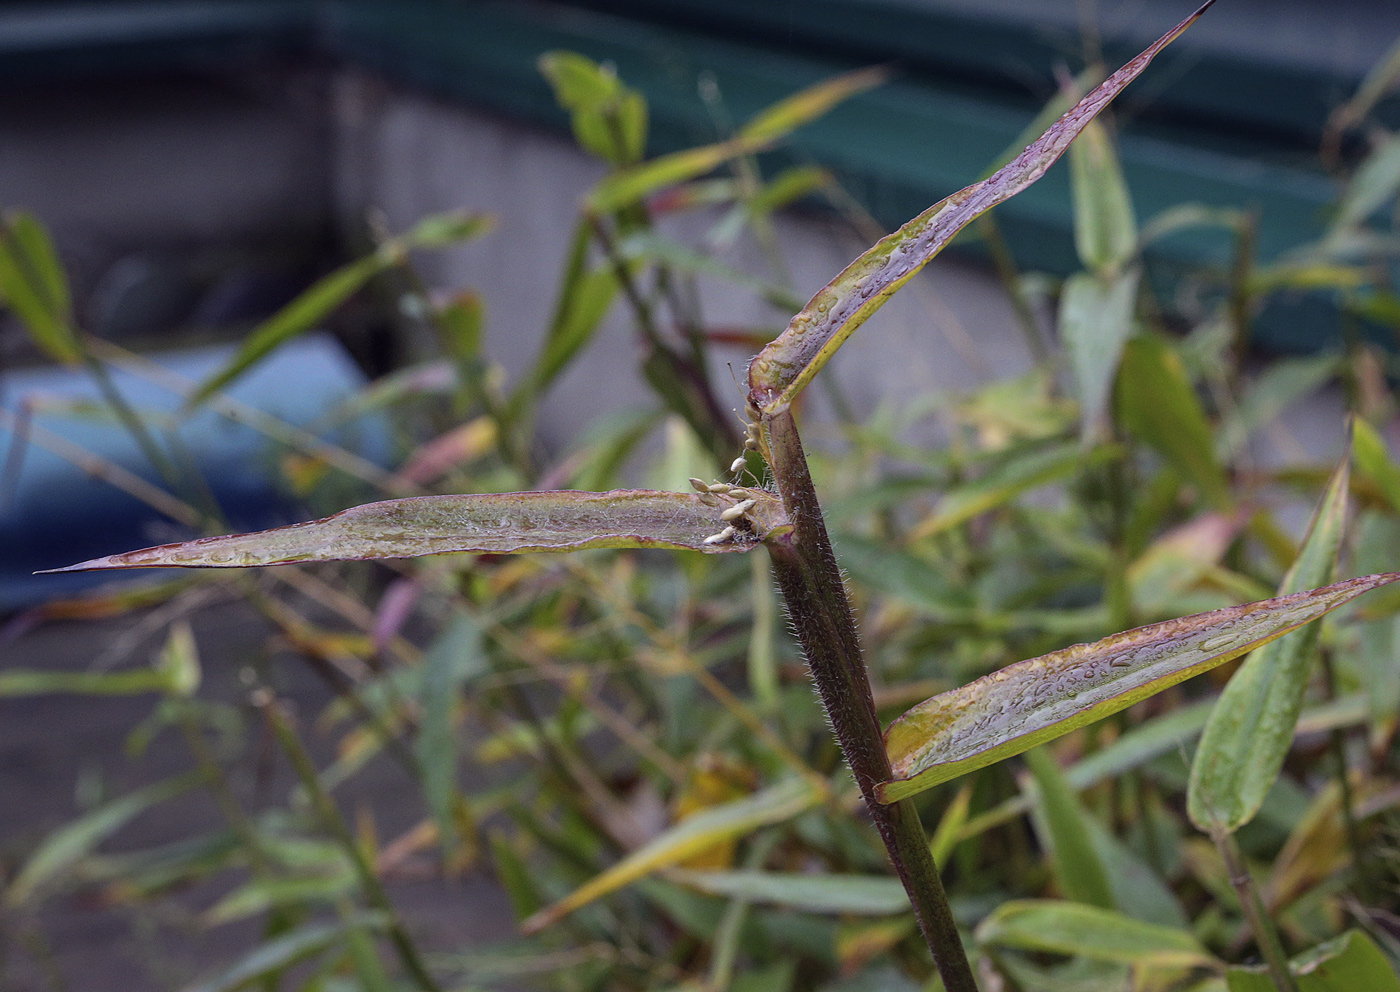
(767, 522)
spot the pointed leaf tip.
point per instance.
(494, 523)
(786, 365)
(1012, 710)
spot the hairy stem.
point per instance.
(805, 566)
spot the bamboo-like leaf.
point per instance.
(624, 188)
(33, 285)
(494, 523)
(858, 895)
(1061, 823)
(1348, 963)
(40, 682)
(259, 895)
(287, 949)
(317, 302)
(1158, 405)
(1014, 477)
(1138, 891)
(1250, 730)
(1282, 384)
(1375, 184)
(691, 836)
(1105, 230)
(455, 657)
(1096, 320)
(1091, 932)
(609, 119)
(1373, 461)
(74, 840)
(785, 367)
(1012, 710)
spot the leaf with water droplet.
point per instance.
(1250, 730)
(496, 523)
(783, 369)
(1012, 710)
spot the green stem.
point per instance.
(1360, 863)
(331, 816)
(805, 565)
(1265, 934)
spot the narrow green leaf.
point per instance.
(1178, 560)
(260, 895)
(40, 682)
(1138, 891)
(627, 187)
(785, 366)
(1157, 404)
(1380, 81)
(1061, 823)
(1375, 184)
(33, 285)
(74, 840)
(1346, 964)
(1160, 735)
(287, 949)
(455, 657)
(790, 113)
(309, 309)
(1017, 475)
(608, 118)
(580, 313)
(1283, 383)
(1091, 932)
(1250, 731)
(764, 678)
(1378, 540)
(178, 662)
(1105, 230)
(301, 315)
(515, 877)
(858, 895)
(1025, 704)
(438, 231)
(654, 247)
(788, 187)
(1096, 320)
(495, 523)
(687, 838)
(1373, 461)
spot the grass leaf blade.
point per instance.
(491, 523)
(691, 836)
(74, 840)
(1250, 730)
(1091, 932)
(1012, 710)
(785, 366)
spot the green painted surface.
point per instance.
(1224, 133)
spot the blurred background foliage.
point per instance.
(627, 741)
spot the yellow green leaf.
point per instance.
(1105, 230)
(629, 186)
(686, 839)
(1250, 730)
(1012, 710)
(1091, 932)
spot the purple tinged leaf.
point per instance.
(496, 523)
(1012, 710)
(784, 368)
